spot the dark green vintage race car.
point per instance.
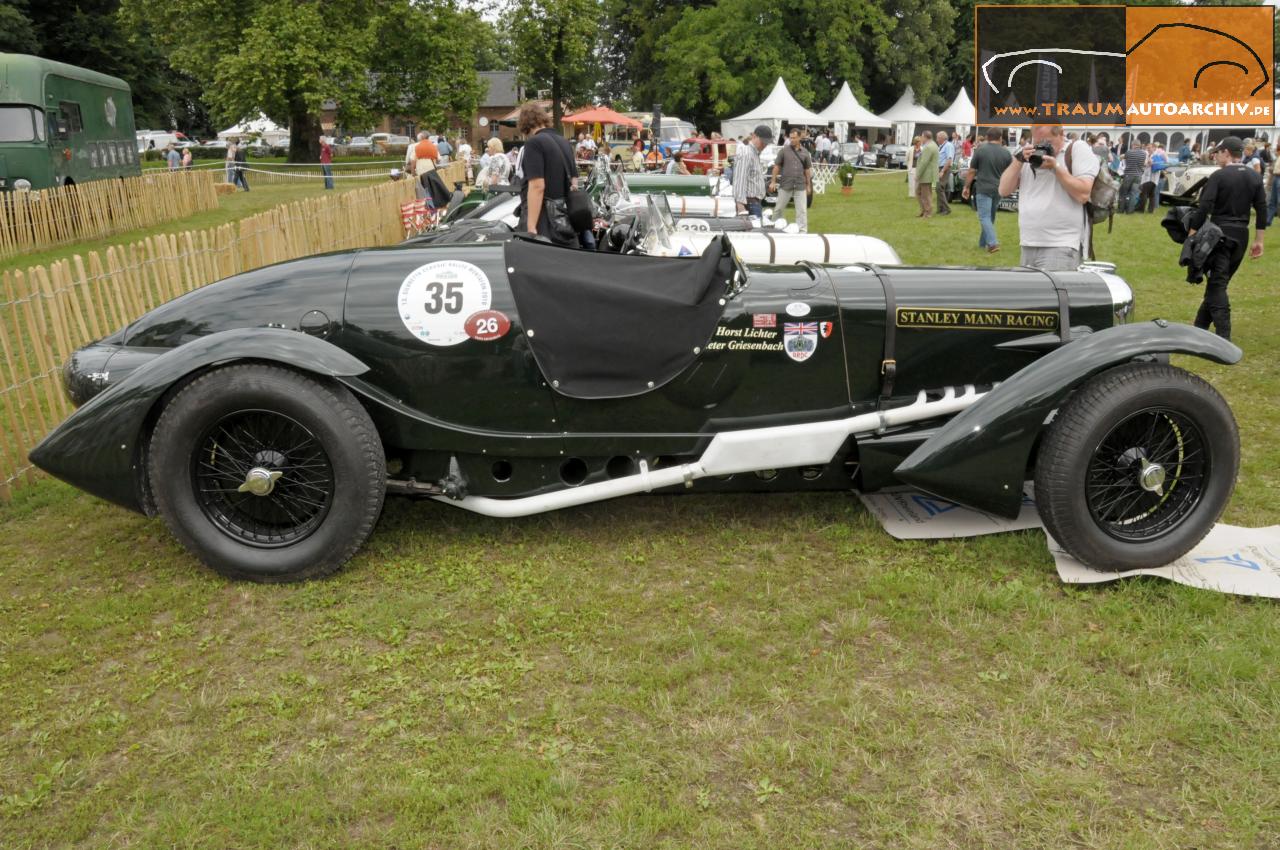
(266, 416)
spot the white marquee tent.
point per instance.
(960, 113)
(906, 114)
(778, 107)
(262, 127)
(845, 111)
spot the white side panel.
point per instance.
(777, 448)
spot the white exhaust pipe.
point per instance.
(731, 452)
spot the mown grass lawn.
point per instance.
(699, 671)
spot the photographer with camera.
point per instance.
(1053, 179)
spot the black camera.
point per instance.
(1041, 151)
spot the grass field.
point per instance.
(698, 671)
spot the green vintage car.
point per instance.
(672, 184)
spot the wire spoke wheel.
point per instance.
(262, 478)
(266, 473)
(1137, 466)
(1147, 475)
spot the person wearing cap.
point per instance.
(748, 173)
(1227, 197)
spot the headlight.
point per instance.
(1121, 294)
(22, 184)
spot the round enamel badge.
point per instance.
(436, 299)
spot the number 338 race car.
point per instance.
(266, 416)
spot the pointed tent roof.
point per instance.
(781, 106)
(846, 108)
(960, 111)
(906, 110)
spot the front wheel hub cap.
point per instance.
(1152, 478)
(260, 481)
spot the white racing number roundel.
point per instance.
(436, 299)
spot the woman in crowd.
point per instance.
(495, 168)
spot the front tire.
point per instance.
(267, 474)
(1137, 467)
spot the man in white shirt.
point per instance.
(1052, 225)
(823, 147)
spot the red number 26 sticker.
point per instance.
(488, 325)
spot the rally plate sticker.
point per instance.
(436, 299)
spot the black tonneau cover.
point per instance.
(604, 325)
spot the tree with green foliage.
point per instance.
(17, 30)
(629, 47)
(287, 59)
(555, 43)
(721, 59)
(90, 34)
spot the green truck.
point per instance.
(60, 124)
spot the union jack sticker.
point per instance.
(800, 340)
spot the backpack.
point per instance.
(1101, 205)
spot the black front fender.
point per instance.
(99, 447)
(979, 457)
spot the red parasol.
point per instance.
(601, 115)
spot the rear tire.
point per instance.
(1137, 467)
(214, 459)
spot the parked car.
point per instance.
(266, 416)
(703, 155)
(1184, 183)
(360, 145)
(156, 140)
(389, 142)
(848, 152)
(891, 156)
(960, 166)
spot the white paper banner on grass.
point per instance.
(911, 515)
(1244, 561)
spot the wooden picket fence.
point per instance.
(47, 312)
(35, 221)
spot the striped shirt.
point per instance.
(1134, 161)
(748, 174)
